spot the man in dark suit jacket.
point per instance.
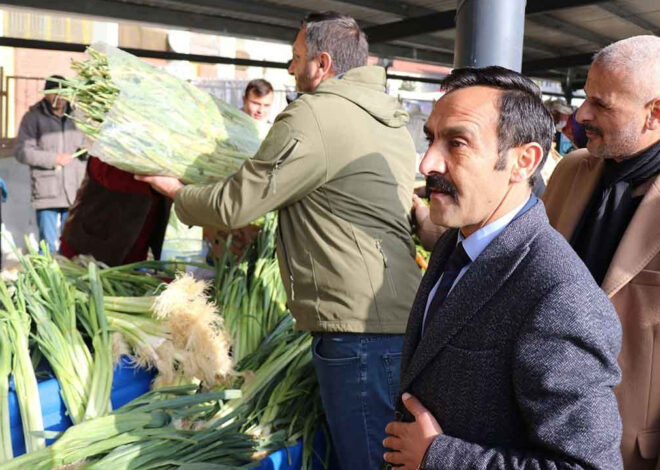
(509, 358)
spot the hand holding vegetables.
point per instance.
(166, 185)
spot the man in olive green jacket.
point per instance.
(339, 166)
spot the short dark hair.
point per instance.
(523, 117)
(54, 81)
(338, 35)
(259, 87)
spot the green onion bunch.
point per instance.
(157, 430)
(250, 292)
(143, 120)
(16, 324)
(222, 410)
(6, 451)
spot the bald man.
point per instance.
(606, 202)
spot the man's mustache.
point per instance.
(594, 129)
(437, 183)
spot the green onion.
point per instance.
(6, 452)
(101, 382)
(50, 300)
(17, 323)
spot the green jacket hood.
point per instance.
(365, 86)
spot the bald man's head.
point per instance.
(636, 60)
(621, 114)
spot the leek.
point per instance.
(17, 322)
(51, 302)
(6, 452)
(101, 381)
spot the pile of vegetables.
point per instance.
(211, 405)
(250, 291)
(146, 121)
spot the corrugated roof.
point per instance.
(559, 34)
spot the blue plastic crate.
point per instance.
(290, 458)
(128, 383)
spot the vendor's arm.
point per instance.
(290, 163)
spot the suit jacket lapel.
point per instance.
(640, 242)
(439, 257)
(479, 284)
(565, 211)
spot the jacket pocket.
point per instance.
(648, 442)
(46, 184)
(287, 263)
(472, 352)
(282, 155)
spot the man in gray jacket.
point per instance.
(509, 359)
(47, 138)
(339, 166)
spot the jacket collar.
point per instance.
(641, 240)
(565, 207)
(479, 284)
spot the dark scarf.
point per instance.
(611, 208)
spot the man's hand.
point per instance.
(420, 209)
(166, 185)
(410, 441)
(241, 239)
(426, 230)
(63, 159)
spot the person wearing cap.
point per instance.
(561, 113)
(47, 140)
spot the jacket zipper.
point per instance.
(286, 261)
(379, 246)
(272, 174)
(62, 146)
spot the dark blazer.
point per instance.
(519, 364)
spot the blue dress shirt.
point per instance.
(474, 245)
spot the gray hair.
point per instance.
(338, 35)
(637, 59)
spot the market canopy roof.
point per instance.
(560, 35)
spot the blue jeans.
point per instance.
(359, 379)
(50, 223)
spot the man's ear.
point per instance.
(653, 118)
(528, 158)
(326, 65)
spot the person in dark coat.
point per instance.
(115, 218)
(509, 357)
(47, 139)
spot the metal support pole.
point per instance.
(489, 32)
(567, 85)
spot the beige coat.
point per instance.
(632, 283)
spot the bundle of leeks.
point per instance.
(143, 120)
